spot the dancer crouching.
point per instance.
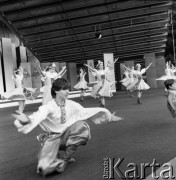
(65, 129)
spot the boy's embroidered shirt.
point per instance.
(49, 117)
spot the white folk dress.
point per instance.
(102, 87)
(20, 93)
(138, 83)
(82, 84)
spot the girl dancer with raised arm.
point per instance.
(102, 87)
(82, 84)
(63, 122)
(138, 83)
(50, 75)
(20, 93)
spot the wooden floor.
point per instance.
(147, 132)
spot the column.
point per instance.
(30, 57)
(14, 55)
(109, 61)
(160, 70)
(91, 78)
(151, 72)
(21, 55)
(119, 75)
(27, 79)
(36, 76)
(7, 60)
(1, 79)
(72, 74)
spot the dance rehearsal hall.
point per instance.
(87, 89)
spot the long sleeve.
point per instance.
(35, 119)
(97, 115)
(143, 71)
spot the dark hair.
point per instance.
(59, 84)
(169, 83)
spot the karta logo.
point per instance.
(113, 168)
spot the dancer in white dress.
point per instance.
(169, 74)
(63, 122)
(102, 87)
(129, 79)
(82, 84)
(49, 76)
(20, 93)
(138, 83)
(125, 79)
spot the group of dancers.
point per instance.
(101, 88)
(63, 121)
(134, 80)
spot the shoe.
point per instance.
(62, 166)
(81, 99)
(71, 160)
(138, 101)
(40, 171)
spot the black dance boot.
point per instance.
(138, 101)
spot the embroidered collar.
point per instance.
(60, 104)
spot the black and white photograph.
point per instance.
(87, 89)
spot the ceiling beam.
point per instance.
(100, 56)
(105, 50)
(130, 46)
(54, 8)
(120, 36)
(117, 44)
(36, 26)
(63, 40)
(52, 35)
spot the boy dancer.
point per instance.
(170, 85)
(64, 126)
